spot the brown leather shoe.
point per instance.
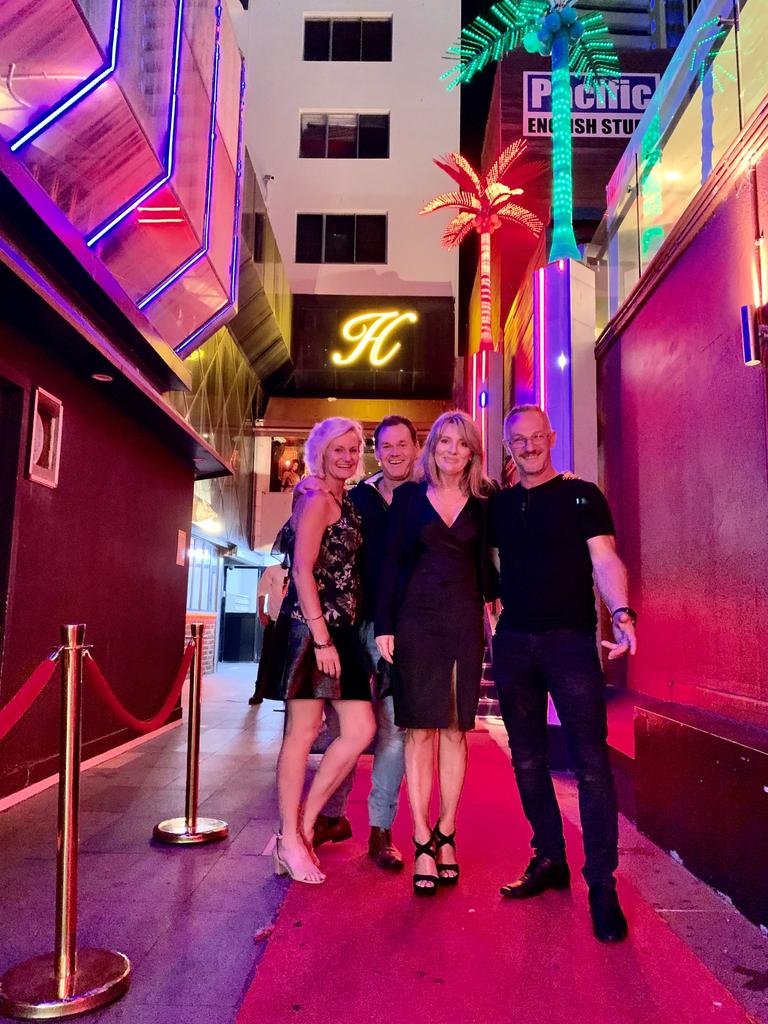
(383, 850)
(331, 830)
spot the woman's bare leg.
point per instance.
(357, 726)
(303, 721)
(451, 770)
(419, 774)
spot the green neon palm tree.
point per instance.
(578, 46)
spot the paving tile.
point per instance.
(212, 953)
(253, 837)
(238, 883)
(132, 927)
(160, 873)
(129, 1011)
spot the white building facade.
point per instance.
(345, 113)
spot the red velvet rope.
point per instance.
(20, 704)
(95, 677)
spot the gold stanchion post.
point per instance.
(68, 981)
(191, 828)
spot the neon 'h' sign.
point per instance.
(372, 331)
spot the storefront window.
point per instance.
(714, 83)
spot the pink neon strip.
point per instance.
(484, 411)
(542, 346)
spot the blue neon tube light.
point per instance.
(83, 90)
(211, 321)
(202, 251)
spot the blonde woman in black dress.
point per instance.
(429, 624)
(319, 655)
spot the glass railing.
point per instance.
(715, 81)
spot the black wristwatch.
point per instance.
(626, 611)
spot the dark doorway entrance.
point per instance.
(241, 631)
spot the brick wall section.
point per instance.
(209, 637)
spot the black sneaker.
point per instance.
(608, 921)
(540, 875)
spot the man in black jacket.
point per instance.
(551, 537)
(396, 449)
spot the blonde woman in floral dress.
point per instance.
(318, 653)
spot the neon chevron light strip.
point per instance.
(202, 251)
(87, 87)
(234, 270)
(131, 205)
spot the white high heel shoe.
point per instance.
(282, 867)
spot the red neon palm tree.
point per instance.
(485, 202)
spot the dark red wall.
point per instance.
(683, 443)
(99, 549)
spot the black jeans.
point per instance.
(563, 662)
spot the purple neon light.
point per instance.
(213, 320)
(150, 190)
(202, 251)
(83, 90)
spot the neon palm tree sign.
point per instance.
(484, 202)
(578, 45)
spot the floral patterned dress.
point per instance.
(293, 671)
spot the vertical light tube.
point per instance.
(486, 334)
(563, 238)
(484, 409)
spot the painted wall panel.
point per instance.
(683, 445)
(99, 549)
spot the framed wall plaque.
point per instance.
(45, 443)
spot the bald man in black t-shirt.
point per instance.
(551, 536)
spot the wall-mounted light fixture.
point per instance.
(754, 334)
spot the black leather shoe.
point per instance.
(331, 830)
(608, 921)
(384, 852)
(540, 875)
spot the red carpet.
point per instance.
(361, 948)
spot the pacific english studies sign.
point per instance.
(594, 112)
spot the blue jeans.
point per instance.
(388, 756)
(563, 662)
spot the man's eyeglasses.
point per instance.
(518, 441)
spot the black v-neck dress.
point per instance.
(438, 622)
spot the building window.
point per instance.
(341, 238)
(344, 136)
(368, 39)
(204, 575)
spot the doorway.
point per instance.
(241, 631)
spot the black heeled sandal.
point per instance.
(440, 840)
(426, 850)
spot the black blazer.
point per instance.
(402, 548)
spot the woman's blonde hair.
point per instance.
(321, 436)
(474, 481)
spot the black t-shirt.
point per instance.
(546, 569)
